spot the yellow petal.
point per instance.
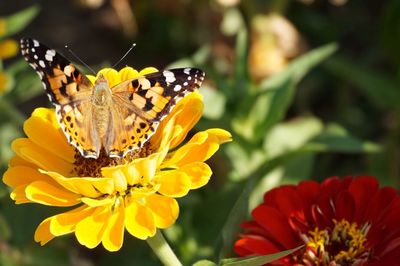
(128, 73)
(8, 48)
(192, 108)
(111, 75)
(200, 148)
(18, 195)
(45, 135)
(65, 223)
(165, 210)
(198, 172)
(46, 194)
(118, 175)
(113, 236)
(89, 231)
(4, 82)
(139, 220)
(173, 183)
(147, 70)
(42, 233)
(22, 175)
(18, 161)
(98, 202)
(3, 27)
(91, 187)
(39, 156)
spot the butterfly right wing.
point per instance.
(69, 90)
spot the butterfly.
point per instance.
(119, 119)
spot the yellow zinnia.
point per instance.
(8, 48)
(136, 193)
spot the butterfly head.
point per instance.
(102, 95)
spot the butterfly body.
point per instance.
(118, 119)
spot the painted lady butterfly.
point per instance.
(118, 119)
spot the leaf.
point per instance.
(20, 20)
(274, 96)
(376, 86)
(299, 67)
(204, 263)
(257, 260)
(214, 102)
(291, 135)
(337, 139)
(235, 217)
(241, 74)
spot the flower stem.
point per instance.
(163, 251)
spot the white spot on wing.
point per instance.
(185, 83)
(177, 87)
(42, 64)
(36, 43)
(186, 71)
(169, 76)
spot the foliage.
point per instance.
(332, 109)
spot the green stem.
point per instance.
(163, 251)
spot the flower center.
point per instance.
(89, 167)
(342, 245)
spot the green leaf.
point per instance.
(291, 135)
(20, 20)
(214, 102)
(241, 74)
(235, 218)
(258, 260)
(275, 94)
(299, 67)
(204, 263)
(336, 139)
(376, 86)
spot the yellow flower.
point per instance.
(3, 27)
(3, 82)
(8, 48)
(109, 195)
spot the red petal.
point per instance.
(363, 189)
(276, 224)
(254, 245)
(379, 203)
(345, 206)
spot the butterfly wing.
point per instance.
(140, 104)
(68, 90)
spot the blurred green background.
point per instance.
(308, 89)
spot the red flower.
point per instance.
(349, 221)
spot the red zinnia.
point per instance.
(349, 221)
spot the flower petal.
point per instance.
(38, 125)
(147, 70)
(89, 231)
(128, 73)
(8, 48)
(164, 209)
(113, 236)
(35, 154)
(192, 108)
(91, 187)
(139, 221)
(42, 233)
(65, 223)
(23, 175)
(173, 183)
(198, 172)
(47, 194)
(200, 148)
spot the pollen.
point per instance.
(89, 167)
(344, 244)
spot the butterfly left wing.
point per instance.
(69, 90)
(140, 104)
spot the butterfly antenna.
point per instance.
(79, 59)
(127, 52)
